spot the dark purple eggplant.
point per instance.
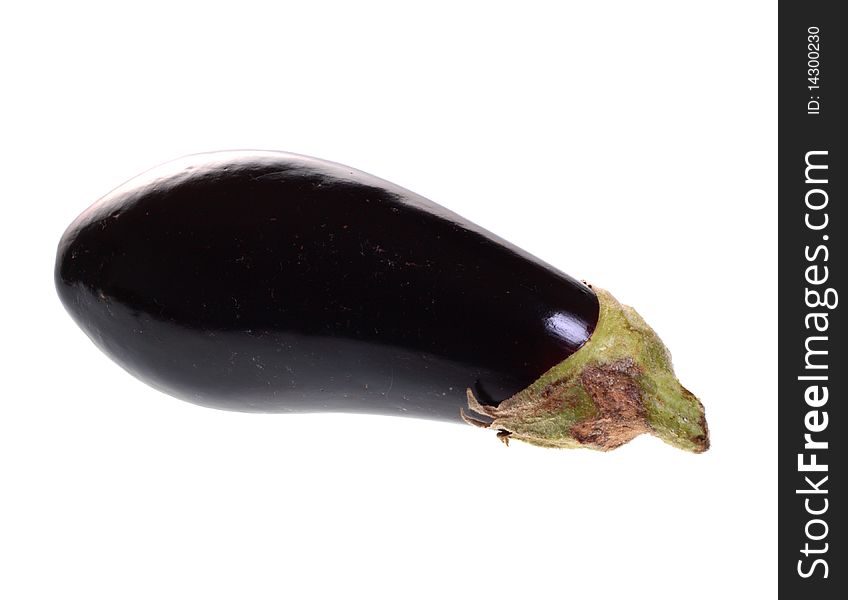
(272, 282)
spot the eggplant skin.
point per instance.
(273, 282)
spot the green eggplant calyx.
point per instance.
(618, 385)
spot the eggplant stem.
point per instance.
(620, 384)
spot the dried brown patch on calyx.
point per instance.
(555, 397)
(615, 392)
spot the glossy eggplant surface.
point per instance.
(272, 282)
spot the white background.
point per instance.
(632, 144)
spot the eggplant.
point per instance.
(273, 282)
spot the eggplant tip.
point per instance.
(620, 384)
